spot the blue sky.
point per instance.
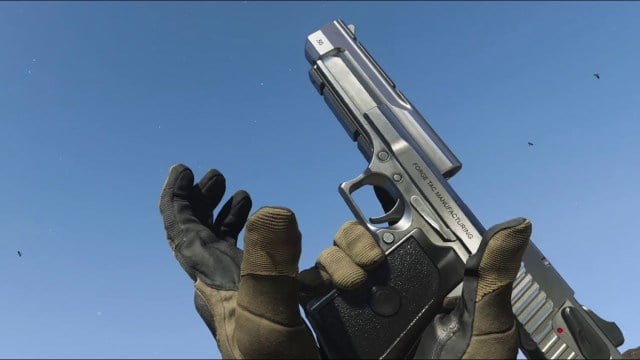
(97, 100)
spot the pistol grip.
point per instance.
(386, 317)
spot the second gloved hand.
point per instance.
(481, 325)
(248, 300)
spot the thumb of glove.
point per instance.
(482, 325)
(268, 322)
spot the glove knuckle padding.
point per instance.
(272, 243)
(358, 244)
(344, 273)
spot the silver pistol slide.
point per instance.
(428, 234)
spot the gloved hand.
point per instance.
(481, 325)
(249, 301)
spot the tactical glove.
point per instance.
(248, 301)
(481, 325)
(343, 265)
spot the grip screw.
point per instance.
(383, 155)
(388, 238)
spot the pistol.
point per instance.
(428, 234)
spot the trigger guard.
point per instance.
(373, 179)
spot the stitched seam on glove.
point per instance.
(224, 337)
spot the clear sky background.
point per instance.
(98, 100)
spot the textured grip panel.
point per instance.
(348, 327)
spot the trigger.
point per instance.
(394, 215)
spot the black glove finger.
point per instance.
(175, 208)
(232, 217)
(206, 195)
(213, 185)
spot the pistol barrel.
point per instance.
(333, 51)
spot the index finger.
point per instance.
(175, 208)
